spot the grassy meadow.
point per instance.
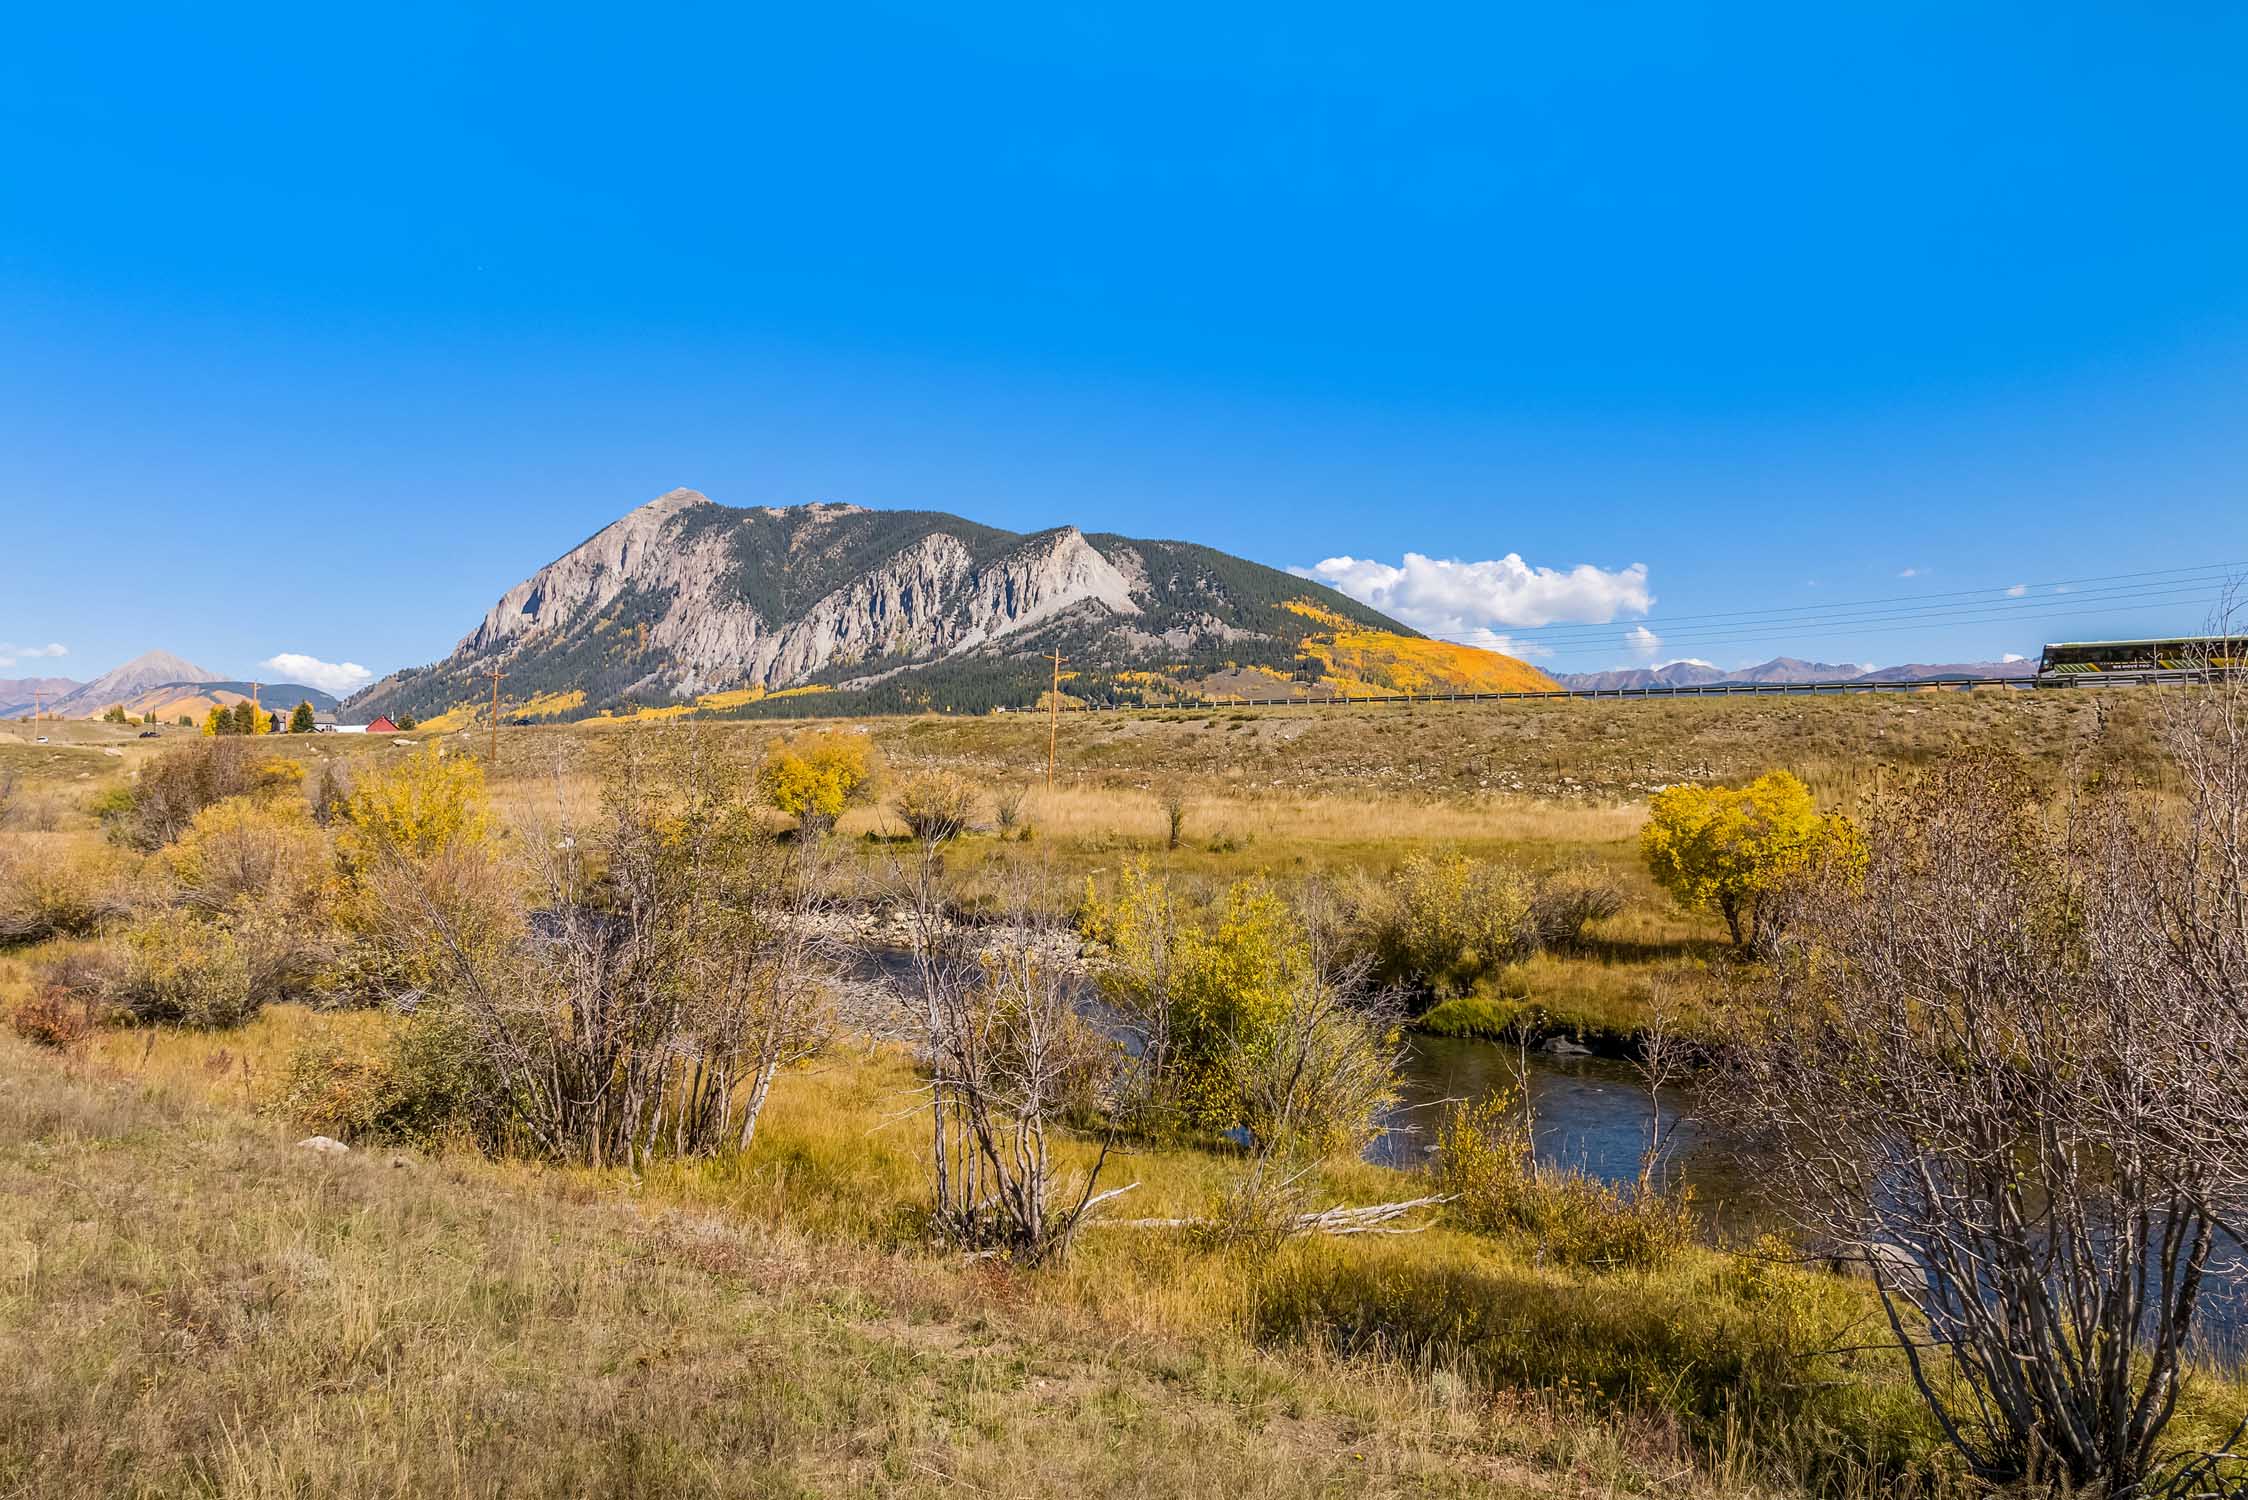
(190, 1303)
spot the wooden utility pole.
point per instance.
(1053, 720)
(493, 765)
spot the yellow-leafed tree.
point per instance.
(1726, 850)
(814, 777)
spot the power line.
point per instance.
(2089, 584)
(1972, 610)
(1853, 633)
(1986, 613)
(2093, 586)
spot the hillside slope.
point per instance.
(19, 695)
(151, 669)
(686, 603)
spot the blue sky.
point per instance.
(319, 327)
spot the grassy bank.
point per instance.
(197, 1305)
(200, 1306)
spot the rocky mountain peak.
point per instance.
(684, 597)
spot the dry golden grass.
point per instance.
(1123, 815)
(190, 1304)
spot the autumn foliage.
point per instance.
(814, 777)
(1728, 850)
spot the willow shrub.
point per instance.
(181, 970)
(937, 805)
(1442, 922)
(172, 788)
(813, 777)
(422, 1083)
(1483, 1159)
(51, 890)
(1200, 988)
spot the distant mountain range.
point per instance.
(151, 669)
(154, 684)
(1785, 669)
(19, 695)
(839, 609)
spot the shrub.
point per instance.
(81, 971)
(33, 812)
(1442, 922)
(178, 969)
(329, 793)
(1316, 1081)
(242, 851)
(1238, 1026)
(176, 785)
(55, 1017)
(1565, 902)
(263, 870)
(814, 777)
(936, 806)
(1257, 1211)
(1483, 1158)
(414, 807)
(1174, 817)
(47, 891)
(1191, 986)
(422, 1084)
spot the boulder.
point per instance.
(327, 1145)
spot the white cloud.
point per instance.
(333, 677)
(2017, 591)
(1643, 642)
(10, 655)
(1472, 601)
(2013, 656)
(1908, 572)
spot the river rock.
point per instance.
(1561, 1046)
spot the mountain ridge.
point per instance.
(20, 695)
(682, 600)
(150, 669)
(1783, 669)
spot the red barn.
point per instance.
(382, 725)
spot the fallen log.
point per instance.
(1371, 1218)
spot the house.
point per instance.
(382, 725)
(323, 723)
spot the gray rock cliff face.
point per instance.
(684, 596)
(932, 598)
